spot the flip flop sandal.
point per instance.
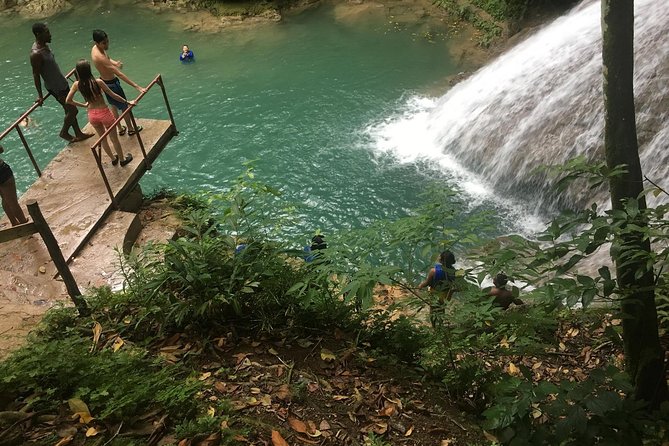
(122, 131)
(137, 130)
(127, 159)
(115, 160)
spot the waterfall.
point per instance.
(541, 103)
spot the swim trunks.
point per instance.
(60, 96)
(5, 172)
(102, 116)
(115, 86)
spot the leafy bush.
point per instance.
(594, 411)
(114, 385)
(402, 338)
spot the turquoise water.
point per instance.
(297, 96)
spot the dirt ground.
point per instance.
(25, 298)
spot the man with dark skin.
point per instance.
(503, 298)
(45, 68)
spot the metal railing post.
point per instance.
(139, 140)
(159, 80)
(98, 160)
(30, 153)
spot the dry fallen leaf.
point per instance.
(91, 432)
(513, 370)
(118, 343)
(327, 355)
(283, 392)
(447, 442)
(380, 428)
(409, 432)
(220, 386)
(64, 441)
(490, 437)
(80, 410)
(277, 439)
(97, 331)
(297, 425)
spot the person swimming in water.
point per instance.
(187, 55)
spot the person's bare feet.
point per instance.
(67, 137)
(82, 137)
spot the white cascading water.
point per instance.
(539, 103)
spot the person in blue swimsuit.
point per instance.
(187, 55)
(441, 275)
(441, 280)
(317, 244)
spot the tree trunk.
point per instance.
(644, 358)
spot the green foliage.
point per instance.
(201, 278)
(240, 7)
(204, 425)
(374, 440)
(114, 385)
(594, 411)
(402, 337)
(488, 30)
(503, 9)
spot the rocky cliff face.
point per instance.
(35, 8)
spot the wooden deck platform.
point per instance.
(73, 199)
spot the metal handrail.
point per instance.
(17, 126)
(97, 147)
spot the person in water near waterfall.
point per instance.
(110, 72)
(503, 298)
(10, 201)
(45, 68)
(99, 115)
(186, 55)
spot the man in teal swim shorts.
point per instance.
(110, 72)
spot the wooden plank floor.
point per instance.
(72, 196)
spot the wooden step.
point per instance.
(97, 263)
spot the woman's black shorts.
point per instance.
(5, 172)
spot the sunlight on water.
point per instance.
(303, 97)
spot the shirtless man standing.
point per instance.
(110, 72)
(45, 68)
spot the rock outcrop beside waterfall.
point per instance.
(35, 9)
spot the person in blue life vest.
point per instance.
(317, 243)
(441, 280)
(441, 277)
(186, 55)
